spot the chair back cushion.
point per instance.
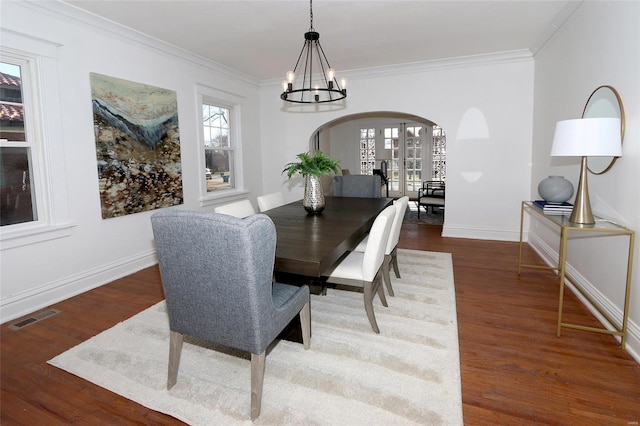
(270, 201)
(374, 253)
(394, 235)
(217, 276)
(239, 209)
(362, 186)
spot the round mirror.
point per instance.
(605, 101)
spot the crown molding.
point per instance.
(75, 15)
(417, 67)
(558, 21)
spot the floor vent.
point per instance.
(34, 319)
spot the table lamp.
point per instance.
(586, 137)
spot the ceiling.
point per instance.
(263, 38)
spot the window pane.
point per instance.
(439, 153)
(222, 138)
(16, 191)
(219, 169)
(367, 150)
(11, 108)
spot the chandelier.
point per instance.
(309, 88)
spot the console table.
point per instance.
(601, 226)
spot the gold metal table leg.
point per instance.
(562, 252)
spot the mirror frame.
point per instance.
(621, 116)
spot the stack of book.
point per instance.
(554, 208)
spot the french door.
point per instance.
(410, 151)
(414, 152)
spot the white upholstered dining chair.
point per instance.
(270, 201)
(363, 269)
(391, 250)
(239, 209)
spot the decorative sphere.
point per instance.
(555, 189)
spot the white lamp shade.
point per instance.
(587, 137)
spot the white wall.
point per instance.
(599, 44)
(343, 146)
(485, 106)
(98, 251)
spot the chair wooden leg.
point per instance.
(175, 349)
(368, 305)
(377, 287)
(305, 324)
(394, 262)
(385, 273)
(257, 380)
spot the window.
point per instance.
(221, 155)
(218, 149)
(17, 144)
(33, 183)
(439, 154)
(367, 151)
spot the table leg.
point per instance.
(625, 314)
(561, 272)
(521, 226)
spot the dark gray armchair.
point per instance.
(217, 274)
(362, 186)
(432, 194)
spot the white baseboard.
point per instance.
(30, 301)
(550, 257)
(479, 233)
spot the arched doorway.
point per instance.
(413, 147)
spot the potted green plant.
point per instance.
(312, 166)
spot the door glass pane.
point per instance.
(391, 142)
(413, 158)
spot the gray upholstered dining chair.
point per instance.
(391, 250)
(216, 273)
(363, 269)
(239, 209)
(270, 201)
(363, 186)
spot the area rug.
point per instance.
(434, 216)
(407, 374)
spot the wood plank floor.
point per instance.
(515, 371)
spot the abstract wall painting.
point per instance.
(137, 146)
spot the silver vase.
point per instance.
(313, 200)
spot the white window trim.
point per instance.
(51, 189)
(234, 103)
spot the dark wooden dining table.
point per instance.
(309, 245)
